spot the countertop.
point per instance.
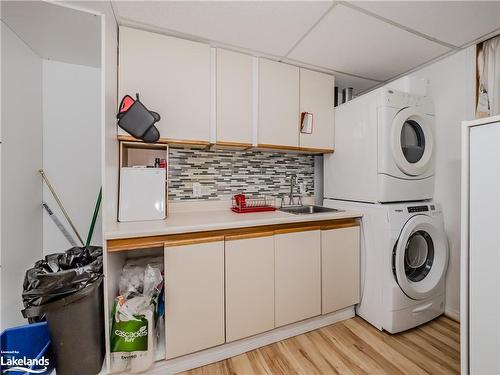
(193, 221)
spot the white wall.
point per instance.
(21, 158)
(71, 148)
(452, 85)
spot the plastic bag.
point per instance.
(60, 275)
(133, 273)
(135, 312)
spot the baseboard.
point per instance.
(232, 349)
(452, 314)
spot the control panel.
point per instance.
(414, 209)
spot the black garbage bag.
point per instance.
(59, 275)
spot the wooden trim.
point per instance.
(310, 150)
(317, 150)
(138, 243)
(245, 236)
(299, 229)
(339, 226)
(170, 141)
(233, 145)
(190, 240)
(278, 147)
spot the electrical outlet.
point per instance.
(196, 190)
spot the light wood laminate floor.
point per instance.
(353, 347)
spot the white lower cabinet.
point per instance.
(297, 276)
(340, 268)
(249, 286)
(194, 290)
(229, 287)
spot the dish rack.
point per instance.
(242, 204)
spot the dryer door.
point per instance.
(420, 257)
(412, 141)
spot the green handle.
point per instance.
(94, 218)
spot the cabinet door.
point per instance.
(297, 276)
(340, 265)
(172, 76)
(249, 286)
(194, 295)
(234, 97)
(278, 104)
(316, 97)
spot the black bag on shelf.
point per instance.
(137, 120)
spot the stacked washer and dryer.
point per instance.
(383, 166)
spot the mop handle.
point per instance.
(54, 194)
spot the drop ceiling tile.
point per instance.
(270, 27)
(352, 42)
(453, 22)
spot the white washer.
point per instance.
(403, 264)
(384, 149)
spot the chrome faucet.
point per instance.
(293, 179)
(291, 197)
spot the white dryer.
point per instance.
(404, 258)
(384, 149)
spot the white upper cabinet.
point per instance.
(172, 76)
(316, 97)
(278, 104)
(234, 97)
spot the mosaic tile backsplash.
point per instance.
(225, 173)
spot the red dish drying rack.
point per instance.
(242, 204)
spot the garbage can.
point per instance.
(76, 327)
(66, 289)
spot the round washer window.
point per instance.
(412, 141)
(419, 256)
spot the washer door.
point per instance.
(411, 141)
(420, 257)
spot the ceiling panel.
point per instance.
(269, 27)
(453, 22)
(56, 32)
(353, 42)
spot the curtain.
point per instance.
(489, 79)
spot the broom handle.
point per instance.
(94, 218)
(54, 194)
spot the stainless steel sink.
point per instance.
(304, 210)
